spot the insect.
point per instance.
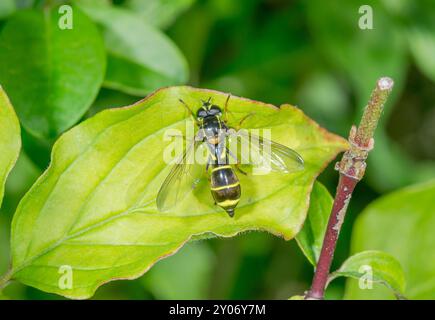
(225, 187)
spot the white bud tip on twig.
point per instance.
(385, 83)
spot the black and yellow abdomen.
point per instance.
(225, 187)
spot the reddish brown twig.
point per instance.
(351, 167)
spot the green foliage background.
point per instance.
(309, 53)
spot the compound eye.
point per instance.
(214, 110)
(201, 113)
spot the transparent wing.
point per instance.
(181, 180)
(266, 155)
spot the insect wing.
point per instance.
(181, 180)
(269, 155)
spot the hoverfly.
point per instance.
(225, 188)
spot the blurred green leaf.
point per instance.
(94, 208)
(310, 238)
(159, 13)
(396, 174)
(322, 97)
(21, 4)
(422, 46)
(108, 98)
(402, 225)
(141, 58)
(10, 142)
(185, 275)
(297, 298)
(374, 266)
(397, 7)
(191, 33)
(264, 59)
(364, 55)
(51, 75)
(7, 7)
(418, 25)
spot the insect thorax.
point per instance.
(212, 129)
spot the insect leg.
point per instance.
(232, 155)
(240, 170)
(209, 162)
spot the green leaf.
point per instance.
(310, 238)
(7, 7)
(418, 25)
(159, 13)
(422, 46)
(25, 4)
(364, 55)
(52, 75)
(182, 276)
(323, 98)
(402, 225)
(374, 266)
(10, 141)
(141, 58)
(94, 208)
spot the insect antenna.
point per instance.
(187, 107)
(206, 103)
(190, 111)
(226, 108)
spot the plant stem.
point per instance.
(351, 168)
